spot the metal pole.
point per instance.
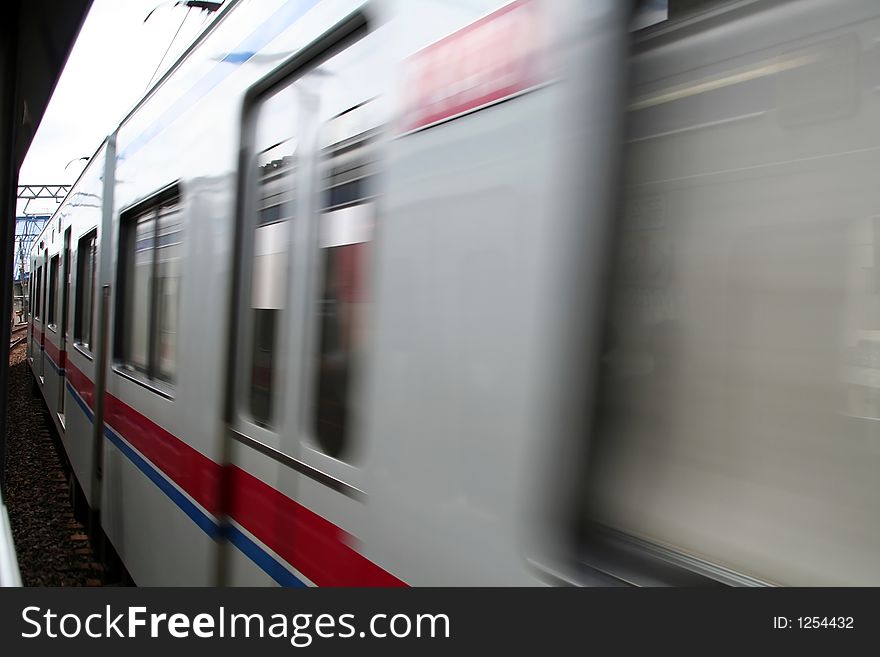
(98, 424)
(102, 356)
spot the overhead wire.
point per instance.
(167, 50)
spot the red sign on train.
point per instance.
(487, 61)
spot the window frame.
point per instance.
(52, 293)
(151, 208)
(286, 444)
(38, 314)
(83, 251)
(254, 220)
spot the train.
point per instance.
(433, 293)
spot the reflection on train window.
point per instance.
(168, 255)
(650, 12)
(345, 230)
(39, 293)
(275, 165)
(138, 293)
(52, 291)
(150, 272)
(87, 265)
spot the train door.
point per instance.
(258, 420)
(65, 308)
(295, 496)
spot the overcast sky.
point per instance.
(108, 70)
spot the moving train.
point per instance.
(422, 292)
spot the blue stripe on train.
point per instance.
(58, 370)
(206, 523)
(271, 566)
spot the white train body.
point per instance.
(353, 257)
(457, 381)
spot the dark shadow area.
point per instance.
(51, 543)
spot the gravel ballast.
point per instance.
(52, 546)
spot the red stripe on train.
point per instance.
(194, 472)
(313, 545)
(58, 356)
(82, 384)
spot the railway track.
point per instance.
(16, 339)
(50, 536)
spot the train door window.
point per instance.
(149, 287)
(345, 229)
(347, 92)
(51, 311)
(39, 293)
(65, 286)
(272, 178)
(84, 314)
(139, 253)
(168, 254)
(44, 279)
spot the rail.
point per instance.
(16, 340)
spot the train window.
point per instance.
(84, 313)
(274, 169)
(150, 287)
(140, 253)
(168, 255)
(52, 291)
(39, 292)
(345, 230)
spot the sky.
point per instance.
(108, 71)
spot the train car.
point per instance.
(302, 319)
(422, 292)
(737, 432)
